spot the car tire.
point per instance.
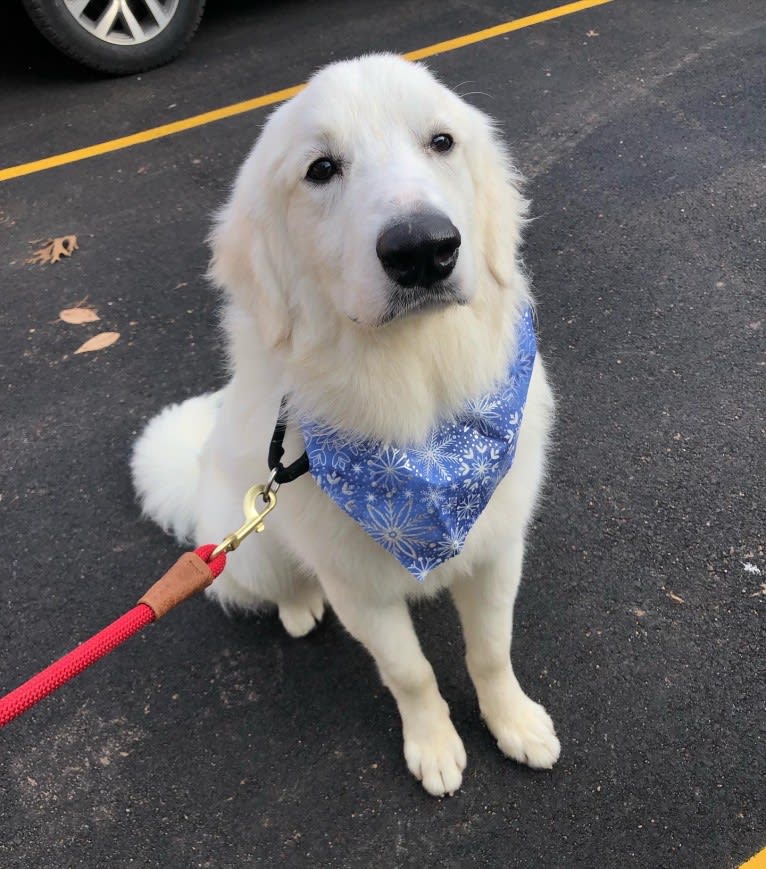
(136, 40)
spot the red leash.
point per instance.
(191, 573)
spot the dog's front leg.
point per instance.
(432, 748)
(523, 729)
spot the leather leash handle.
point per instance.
(187, 577)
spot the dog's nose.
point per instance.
(419, 250)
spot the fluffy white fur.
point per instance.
(304, 294)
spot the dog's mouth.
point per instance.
(411, 300)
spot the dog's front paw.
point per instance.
(436, 758)
(525, 732)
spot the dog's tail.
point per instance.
(166, 463)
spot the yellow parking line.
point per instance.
(149, 135)
(279, 96)
(500, 29)
(757, 862)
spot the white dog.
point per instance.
(369, 261)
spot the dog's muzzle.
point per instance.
(420, 250)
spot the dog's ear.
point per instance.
(501, 209)
(242, 265)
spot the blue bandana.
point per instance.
(420, 502)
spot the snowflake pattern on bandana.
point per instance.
(420, 502)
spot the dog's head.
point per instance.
(376, 193)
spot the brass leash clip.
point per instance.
(259, 502)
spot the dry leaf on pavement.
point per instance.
(52, 252)
(78, 315)
(98, 342)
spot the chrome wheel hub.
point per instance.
(122, 22)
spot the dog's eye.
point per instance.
(442, 142)
(322, 170)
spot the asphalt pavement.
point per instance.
(216, 742)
